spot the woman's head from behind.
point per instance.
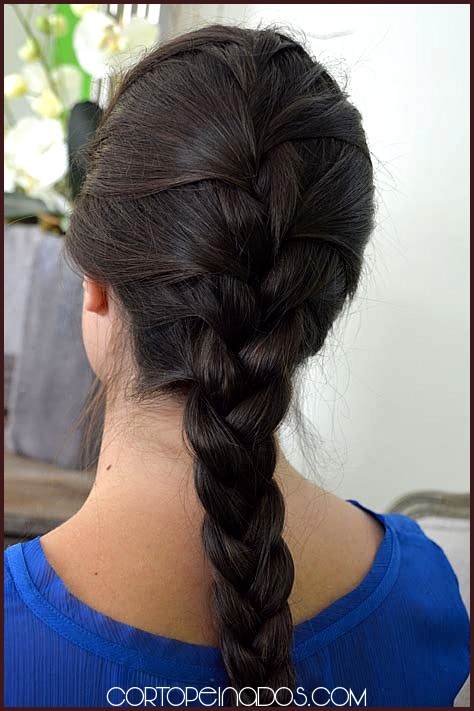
(228, 203)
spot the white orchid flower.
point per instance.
(88, 42)
(35, 78)
(35, 152)
(14, 85)
(102, 46)
(9, 174)
(80, 10)
(68, 83)
(30, 51)
(67, 80)
(57, 25)
(139, 34)
(9, 177)
(47, 105)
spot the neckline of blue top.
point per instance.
(43, 591)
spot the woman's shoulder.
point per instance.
(357, 552)
(356, 562)
(8, 580)
(11, 596)
(423, 575)
(405, 618)
(426, 607)
(425, 602)
(421, 558)
(427, 579)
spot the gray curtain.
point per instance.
(19, 248)
(51, 375)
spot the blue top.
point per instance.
(400, 638)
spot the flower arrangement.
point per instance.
(56, 84)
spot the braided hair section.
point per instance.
(228, 204)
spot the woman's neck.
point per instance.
(134, 549)
(144, 489)
(142, 522)
(145, 463)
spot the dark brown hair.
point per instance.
(227, 205)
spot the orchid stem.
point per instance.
(29, 33)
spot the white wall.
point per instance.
(389, 396)
(394, 412)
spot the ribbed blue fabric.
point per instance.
(401, 636)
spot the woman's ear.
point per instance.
(95, 297)
(97, 324)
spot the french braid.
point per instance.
(231, 187)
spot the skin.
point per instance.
(133, 551)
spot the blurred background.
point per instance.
(388, 399)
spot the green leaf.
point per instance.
(63, 48)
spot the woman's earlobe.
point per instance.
(95, 296)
